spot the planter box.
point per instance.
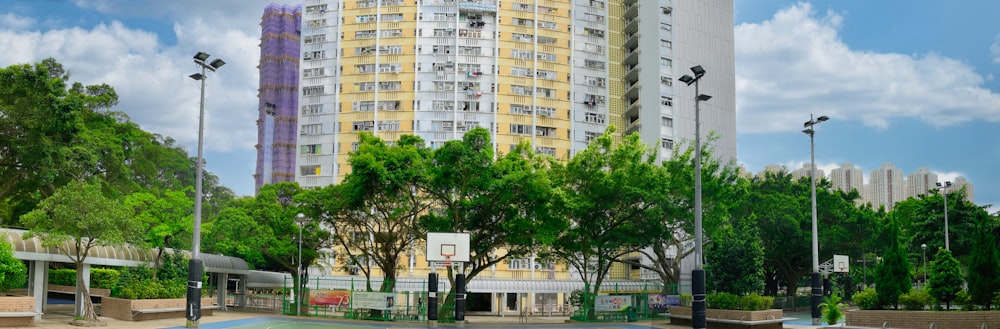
(772, 318)
(150, 309)
(17, 311)
(923, 319)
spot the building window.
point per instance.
(550, 151)
(666, 101)
(312, 170)
(316, 9)
(310, 149)
(667, 143)
(316, 72)
(312, 109)
(545, 131)
(520, 129)
(311, 129)
(667, 122)
(589, 136)
(312, 90)
(594, 117)
(363, 126)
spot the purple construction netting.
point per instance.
(279, 84)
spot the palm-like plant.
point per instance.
(833, 309)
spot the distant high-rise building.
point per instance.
(886, 186)
(961, 182)
(805, 171)
(553, 73)
(920, 181)
(278, 94)
(773, 169)
(847, 177)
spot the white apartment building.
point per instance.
(847, 177)
(886, 186)
(920, 181)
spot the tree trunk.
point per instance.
(89, 314)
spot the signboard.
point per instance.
(663, 301)
(330, 297)
(374, 300)
(612, 303)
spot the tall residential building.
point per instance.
(278, 94)
(961, 182)
(920, 181)
(847, 177)
(886, 186)
(805, 171)
(552, 73)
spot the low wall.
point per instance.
(94, 292)
(923, 319)
(739, 315)
(123, 309)
(17, 304)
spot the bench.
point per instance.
(727, 323)
(18, 319)
(173, 309)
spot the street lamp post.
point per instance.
(300, 219)
(817, 288)
(698, 320)
(924, 247)
(944, 193)
(195, 264)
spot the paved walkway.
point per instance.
(59, 316)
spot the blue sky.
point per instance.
(913, 83)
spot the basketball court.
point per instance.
(290, 323)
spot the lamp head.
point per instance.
(217, 63)
(698, 71)
(201, 56)
(687, 79)
(704, 97)
(199, 76)
(923, 246)
(822, 118)
(809, 131)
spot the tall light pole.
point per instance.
(698, 320)
(817, 288)
(193, 308)
(944, 193)
(300, 219)
(924, 247)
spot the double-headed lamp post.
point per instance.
(944, 193)
(195, 264)
(698, 320)
(300, 219)
(817, 288)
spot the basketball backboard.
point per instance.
(440, 245)
(841, 264)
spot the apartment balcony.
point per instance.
(632, 57)
(632, 90)
(633, 109)
(632, 40)
(631, 10)
(633, 126)
(632, 24)
(477, 6)
(632, 74)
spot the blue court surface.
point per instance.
(289, 323)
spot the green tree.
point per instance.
(13, 273)
(499, 202)
(945, 279)
(611, 195)
(77, 218)
(375, 209)
(163, 218)
(984, 265)
(735, 262)
(892, 276)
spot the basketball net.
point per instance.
(447, 259)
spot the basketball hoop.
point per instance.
(447, 259)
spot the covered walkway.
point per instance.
(39, 257)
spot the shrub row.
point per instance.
(727, 301)
(104, 278)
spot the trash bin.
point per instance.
(631, 315)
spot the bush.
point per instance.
(755, 302)
(915, 300)
(867, 299)
(996, 300)
(686, 300)
(964, 299)
(63, 277)
(104, 278)
(723, 300)
(13, 273)
(145, 289)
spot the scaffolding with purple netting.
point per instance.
(278, 94)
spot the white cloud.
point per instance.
(995, 49)
(16, 22)
(151, 78)
(796, 64)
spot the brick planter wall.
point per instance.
(121, 309)
(17, 304)
(94, 292)
(923, 319)
(713, 313)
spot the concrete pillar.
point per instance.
(241, 288)
(222, 288)
(78, 305)
(38, 278)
